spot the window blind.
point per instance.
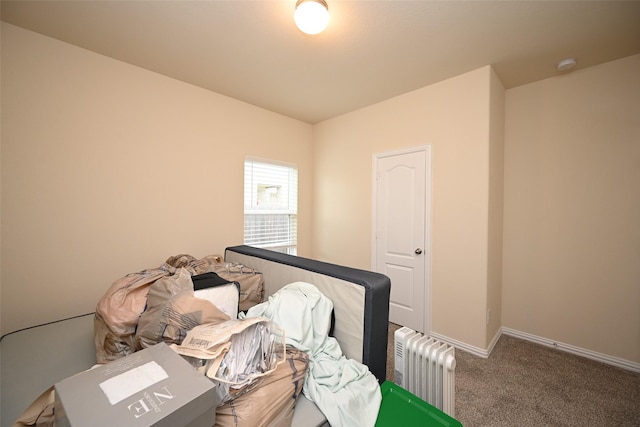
(270, 205)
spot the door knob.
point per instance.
(418, 251)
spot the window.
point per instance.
(271, 206)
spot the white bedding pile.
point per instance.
(344, 390)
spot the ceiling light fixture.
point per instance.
(311, 16)
(566, 64)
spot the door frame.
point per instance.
(427, 217)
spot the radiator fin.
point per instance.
(426, 367)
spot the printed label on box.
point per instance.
(133, 381)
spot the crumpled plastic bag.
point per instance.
(173, 310)
(235, 353)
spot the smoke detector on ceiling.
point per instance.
(566, 64)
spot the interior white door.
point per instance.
(401, 249)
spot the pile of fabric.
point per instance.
(161, 305)
(165, 292)
(343, 389)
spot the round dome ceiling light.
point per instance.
(311, 16)
(566, 64)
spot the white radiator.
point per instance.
(426, 367)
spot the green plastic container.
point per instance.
(401, 408)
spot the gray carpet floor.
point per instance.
(527, 384)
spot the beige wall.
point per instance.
(572, 209)
(109, 169)
(496, 196)
(453, 117)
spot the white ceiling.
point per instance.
(371, 51)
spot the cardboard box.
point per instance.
(152, 387)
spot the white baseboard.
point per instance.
(589, 354)
(477, 351)
(494, 341)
